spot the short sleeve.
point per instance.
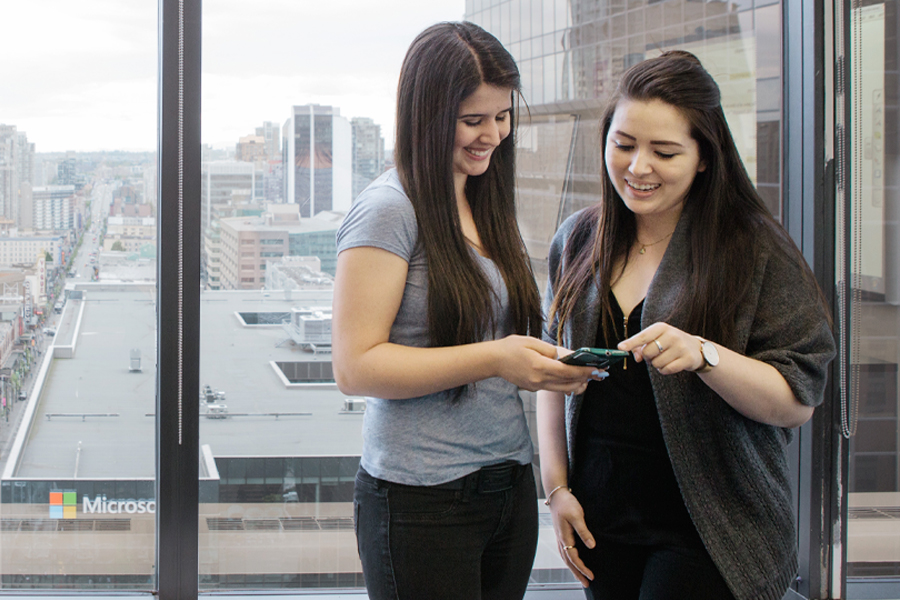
(791, 331)
(382, 217)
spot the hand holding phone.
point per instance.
(600, 358)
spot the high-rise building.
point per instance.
(271, 133)
(52, 207)
(26, 159)
(368, 153)
(317, 155)
(224, 183)
(251, 148)
(272, 181)
(67, 170)
(9, 173)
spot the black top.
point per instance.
(623, 477)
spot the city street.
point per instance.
(82, 266)
(9, 424)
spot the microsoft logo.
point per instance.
(63, 505)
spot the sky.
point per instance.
(81, 75)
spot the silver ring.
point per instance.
(658, 345)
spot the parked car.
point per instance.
(49, 331)
(22, 396)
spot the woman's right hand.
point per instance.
(532, 364)
(568, 520)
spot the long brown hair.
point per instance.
(444, 65)
(724, 211)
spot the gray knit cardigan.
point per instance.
(732, 471)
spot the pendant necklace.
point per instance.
(645, 246)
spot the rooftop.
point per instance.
(93, 416)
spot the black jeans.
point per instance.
(470, 539)
(661, 572)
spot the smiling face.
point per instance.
(651, 157)
(483, 122)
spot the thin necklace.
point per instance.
(645, 246)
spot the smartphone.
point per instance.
(594, 357)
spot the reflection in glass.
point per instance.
(874, 528)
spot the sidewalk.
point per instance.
(8, 430)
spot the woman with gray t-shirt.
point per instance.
(434, 308)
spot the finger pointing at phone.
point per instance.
(667, 349)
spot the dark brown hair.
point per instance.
(724, 211)
(444, 65)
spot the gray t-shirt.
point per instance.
(430, 440)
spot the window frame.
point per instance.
(178, 316)
(809, 208)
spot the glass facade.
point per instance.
(571, 54)
(278, 443)
(872, 403)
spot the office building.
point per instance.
(27, 250)
(52, 207)
(571, 54)
(129, 233)
(226, 185)
(9, 173)
(67, 170)
(368, 153)
(251, 148)
(245, 246)
(317, 155)
(271, 134)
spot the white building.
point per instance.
(27, 250)
(52, 207)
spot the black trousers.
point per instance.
(660, 572)
(470, 539)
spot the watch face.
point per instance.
(710, 354)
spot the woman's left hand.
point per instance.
(668, 349)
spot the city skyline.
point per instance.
(85, 79)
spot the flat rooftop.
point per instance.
(94, 417)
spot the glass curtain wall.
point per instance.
(571, 54)
(872, 255)
(78, 205)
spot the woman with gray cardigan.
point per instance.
(669, 479)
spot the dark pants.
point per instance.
(473, 538)
(662, 572)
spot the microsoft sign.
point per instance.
(64, 504)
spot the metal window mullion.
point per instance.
(178, 306)
(810, 218)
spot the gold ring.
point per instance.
(658, 345)
(567, 548)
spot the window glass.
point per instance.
(78, 127)
(874, 258)
(298, 118)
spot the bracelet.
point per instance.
(554, 490)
